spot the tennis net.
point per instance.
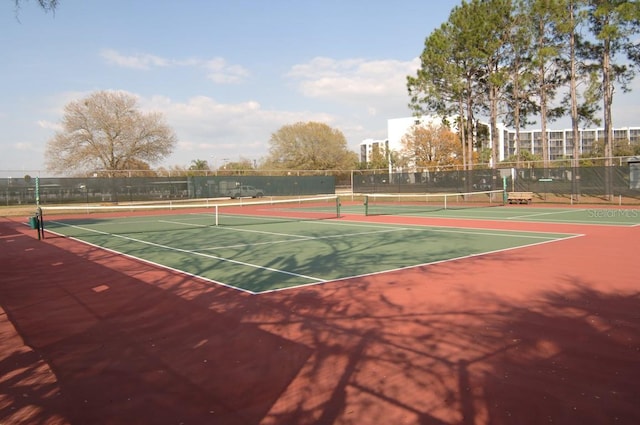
(416, 203)
(140, 218)
(260, 212)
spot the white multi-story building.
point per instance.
(397, 128)
(369, 146)
(560, 141)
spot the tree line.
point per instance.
(515, 60)
(106, 132)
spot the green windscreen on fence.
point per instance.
(594, 180)
(135, 189)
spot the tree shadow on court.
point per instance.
(126, 348)
(570, 357)
(333, 258)
(129, 344)
(575, 361)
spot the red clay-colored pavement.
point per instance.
(543, 334)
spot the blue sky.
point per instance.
(225, 74)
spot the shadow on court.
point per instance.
(114, 349)
(570, 357)
(469, 342)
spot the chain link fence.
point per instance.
(618, 181)
(151, 189)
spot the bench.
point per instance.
(520, 197)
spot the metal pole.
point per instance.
(37, 191)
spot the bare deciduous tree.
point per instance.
(46, 5)
(106, 131)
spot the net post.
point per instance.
(505, 195)
(366, 205)
(216, 214)
(37, 191)
(338, 206)
(40, 222)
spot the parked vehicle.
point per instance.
(245, 192)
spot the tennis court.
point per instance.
(595, 216)
(428, 316)
(489, 205)
(261, 246)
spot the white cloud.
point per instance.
(207, 129)
(344, 79)
(216, 69)
(364, 94)
(139, 61)
(223, 73)
(48, 125)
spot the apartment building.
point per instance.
(560, 141)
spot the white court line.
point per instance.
(387, 229)
(301, 239)
(186, 251)
(183, 223)
(507, 235)
(523, 219)
(447, 260)
(294, 236)
(545, 213)
(535, 234)
(153, 263)
(315, 280)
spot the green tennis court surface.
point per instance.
(262, 254)
(608, 216)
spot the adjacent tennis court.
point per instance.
(489, 205)
(265, 246)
